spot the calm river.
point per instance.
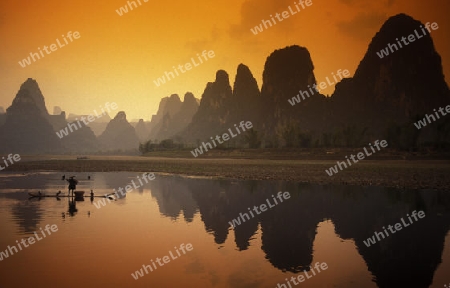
(176, 232)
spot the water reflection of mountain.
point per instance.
(27, 215)
(173, 197)
(408, 258)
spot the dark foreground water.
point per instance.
(317, 224)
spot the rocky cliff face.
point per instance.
(398, 86)
(287, 72)
(246, 103)
(119, 135)
(386, 89)
(213, 113)
(392, 88)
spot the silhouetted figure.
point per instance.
(63, 177)
(72, 184)
(89, 177)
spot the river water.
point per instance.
(327, 225)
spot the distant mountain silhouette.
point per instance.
(174, 122)
(103, 119)
(31, 88)
(213, 113)
(168, 107)
(286, 72)
(97, 126)
(82, 140)
(141, 130)
(381, 101)
(119, 135)
(157, 118)
(2, 116)
(27, 128)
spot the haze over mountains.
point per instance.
(381, 101)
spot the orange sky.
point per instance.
(117, 58)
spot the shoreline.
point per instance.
(401, 174)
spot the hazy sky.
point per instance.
(117, 58)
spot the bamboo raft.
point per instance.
(78, 194)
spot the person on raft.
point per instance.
(72, 184)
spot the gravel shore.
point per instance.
(403, 174)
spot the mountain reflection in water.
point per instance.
(408, 258)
